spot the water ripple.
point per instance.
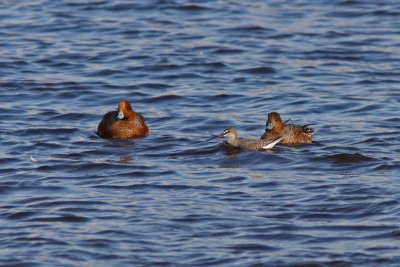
(192, 69)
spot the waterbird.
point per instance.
(248, 144)
(123, 123)
(292, 134)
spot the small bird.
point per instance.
(292, 134)
(249, 144)
(122, 124)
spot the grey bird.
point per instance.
(248, 144)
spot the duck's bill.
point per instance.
(269, 126)
(120, 116)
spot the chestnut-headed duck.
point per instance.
(248, 144)
(292, 134)
(122, 124)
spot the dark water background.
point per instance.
(193, 68)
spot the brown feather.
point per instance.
(132, 126)
(292, 134)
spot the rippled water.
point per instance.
(193, 68)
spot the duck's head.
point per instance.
(125, 111)
(274, 122)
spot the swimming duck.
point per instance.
(249, 144)
(292, 134)
(122, 124)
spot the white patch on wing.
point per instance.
(273, 143)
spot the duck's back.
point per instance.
(256, 144)
(296, 134)
(292, 134)
(271, 135)
(111, 128)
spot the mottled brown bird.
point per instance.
(248, 144)
(122, 124)
(292, 134)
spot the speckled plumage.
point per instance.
(292, 134)
(249, 144)
(130, 126)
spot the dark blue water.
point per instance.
(193, 68)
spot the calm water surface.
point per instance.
(193, 68)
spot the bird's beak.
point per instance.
(212, 137)
(120, 116)
(216, 136)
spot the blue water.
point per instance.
(193, 68)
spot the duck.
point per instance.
(248, 144)
(292, 134)
(122, 124)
